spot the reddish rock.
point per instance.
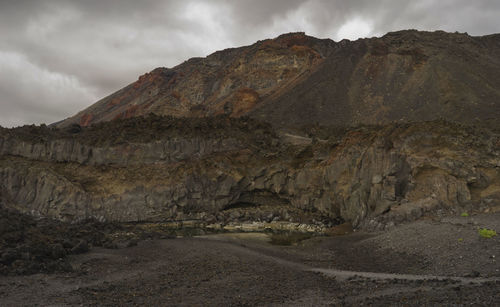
(296, 79)
(86, 119)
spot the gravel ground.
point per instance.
(432, 262)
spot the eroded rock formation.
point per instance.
(246, 171)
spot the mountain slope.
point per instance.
(229, 81)
(298, 79)
(408, 75)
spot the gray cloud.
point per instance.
(59, 56)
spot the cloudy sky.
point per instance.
(59, 56)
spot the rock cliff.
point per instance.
(245, 171)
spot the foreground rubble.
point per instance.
(440, 261)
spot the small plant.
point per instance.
(487, 233)
(460, 239)
(464, 214)
(289, 238)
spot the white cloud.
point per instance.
(294, 21)
(208, 27)
(354, 29)
(31, 94)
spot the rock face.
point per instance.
(232, 148)
(296, 79)
(246, 171)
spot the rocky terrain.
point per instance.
(429, 262)
(268, 165)
(245, 171)
(296, 79)
(222, 170)
(229, 174)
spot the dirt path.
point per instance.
(345, 275)
(235, 243)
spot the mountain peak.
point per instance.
(298, 79)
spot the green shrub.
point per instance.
(487, 233)
(464, 214)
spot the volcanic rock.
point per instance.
(296, 79)
(243, 170)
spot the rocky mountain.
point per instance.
(287, 132)
(294, 139)
(297, 79)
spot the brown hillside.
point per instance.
(298, 79)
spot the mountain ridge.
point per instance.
(295, 79)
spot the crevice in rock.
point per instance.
(402, 180)
(257, 198)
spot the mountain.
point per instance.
(296, 79)
(389, 145)
(378, 131)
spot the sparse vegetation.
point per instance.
(464, 214)
(487, 233)
(289, 238)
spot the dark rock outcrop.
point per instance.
(370, 177)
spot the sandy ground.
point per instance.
(427, 262)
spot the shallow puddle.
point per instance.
(273, 238)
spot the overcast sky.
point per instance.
(60, 56)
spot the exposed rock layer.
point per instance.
(371, 176)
